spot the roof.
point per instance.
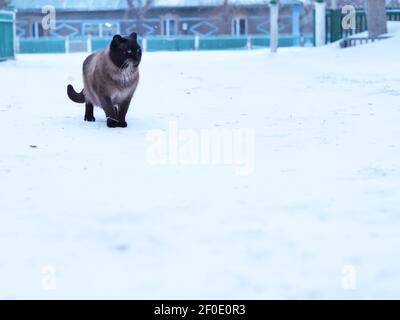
(103, 5)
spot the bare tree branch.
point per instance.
(137, 10)
(4, 4)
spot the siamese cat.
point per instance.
(110, 78)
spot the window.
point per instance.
(38, 31)
(239, 26)
(169, 26)
(92, 29)
(109, 29)
(35, 30)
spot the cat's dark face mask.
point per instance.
(125, 49)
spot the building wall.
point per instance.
(189, 21)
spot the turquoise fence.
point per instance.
(101, 43)
(7, 32)
(181, 43)
(42, 45)
(170, 44)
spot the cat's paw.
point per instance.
(123, 124)
(112, 123)
(90, 118)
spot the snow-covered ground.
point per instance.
(85, 215)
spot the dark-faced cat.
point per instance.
(110, 78)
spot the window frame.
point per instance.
(100, 25)
(165, 25)
(91, 24)
(236, 26)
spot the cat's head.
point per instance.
(125, 50)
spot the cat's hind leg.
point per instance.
(89, 116)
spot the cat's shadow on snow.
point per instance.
(138, 124)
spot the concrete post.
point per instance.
(320, 26)
(67, 42)
(249, 45)
(89, 46)
(196, 42)
(274, 31)
(144, 44)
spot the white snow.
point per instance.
(84, 215)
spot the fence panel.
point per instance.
(42, 45)
(157, 43)
(335, 31)
(170, 44)
(186, 43)
(393, 14)
(7, 35)
(77, 45)
(101, 43)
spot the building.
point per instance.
(104, 18)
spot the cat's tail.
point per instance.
(75, 96)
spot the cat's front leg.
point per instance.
(122, 112)
(111, 113)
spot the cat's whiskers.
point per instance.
(124, 65)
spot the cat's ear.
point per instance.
(133, 36)
(116, 40)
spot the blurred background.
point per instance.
(172, 25)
